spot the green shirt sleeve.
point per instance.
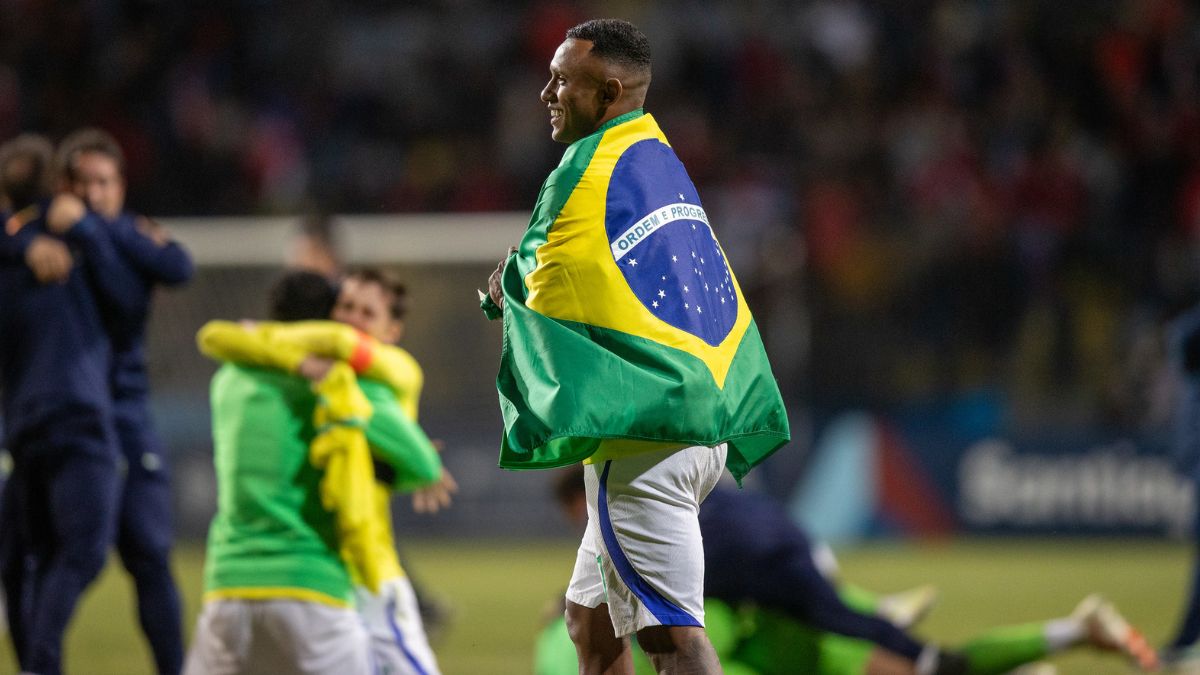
(398, 441)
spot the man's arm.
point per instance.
(369, 357)
(24, 242)
(48, 258)
(283, 346)
(16, 233)
(399, 441)
(118, 289)
(272, 344)
(394, 438)
(150, 248)
(248, 346)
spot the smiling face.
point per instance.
(578, 94)
(366, 305)
(97, 179)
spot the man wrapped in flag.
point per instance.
(628, 346)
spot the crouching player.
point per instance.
(369, 314)
(772, 609)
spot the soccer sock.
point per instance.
(1002, 649)
(1063, 633)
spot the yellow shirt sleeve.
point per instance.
(271, 344)
(370, 358)
(396, 368)
(329, 339)
(248, 345)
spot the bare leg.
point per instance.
(679, 650)
(600, 651)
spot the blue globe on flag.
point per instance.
(661, 241)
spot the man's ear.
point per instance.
(612, 91)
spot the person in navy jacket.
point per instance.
(92, 166)
(55, 363)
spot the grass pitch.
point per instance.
(500, 590)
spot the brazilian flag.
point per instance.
(624, 327)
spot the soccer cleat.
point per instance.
(1107, 629)
(906, 608)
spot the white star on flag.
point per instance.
(662, 250)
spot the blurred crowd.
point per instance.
(921, 197)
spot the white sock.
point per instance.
(825, 561)
(927, 660)
(1063, 633)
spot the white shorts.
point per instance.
(398, 642)
(642, 552)
(277, 636)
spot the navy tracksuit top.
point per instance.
(67, 349)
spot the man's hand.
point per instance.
(437, 496)
(152, 230)
(65, 210)
(49, 259)
(494, 290)
(314, 368)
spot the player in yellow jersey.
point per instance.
(374, 303)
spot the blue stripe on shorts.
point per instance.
(412, 659)
(667, 612)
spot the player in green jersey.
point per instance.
(279, 596)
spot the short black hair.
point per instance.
(301, 296)
(616, 40)
(397, 292)
(25, 175)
